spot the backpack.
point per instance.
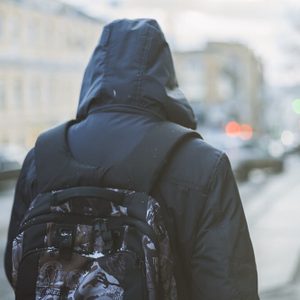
(80, 240)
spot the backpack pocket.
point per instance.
(83, 242)
(45, 267)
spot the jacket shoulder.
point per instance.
(195, 164)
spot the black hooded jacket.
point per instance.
(128, 87)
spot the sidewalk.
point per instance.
(273, 211)
(6, 198)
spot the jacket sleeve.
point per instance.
(24, 193)
(222, 263)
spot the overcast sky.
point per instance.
(266, 26)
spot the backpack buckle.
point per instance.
(65, 240)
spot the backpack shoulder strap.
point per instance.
(144, 165)
(55, 166)
(50, 153)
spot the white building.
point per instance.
(44, 47)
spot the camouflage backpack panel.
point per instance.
(95, 248)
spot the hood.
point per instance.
(132, 66)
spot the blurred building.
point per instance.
(225, 81)
(44, 47)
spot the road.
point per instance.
(272, 208)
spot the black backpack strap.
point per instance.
(50, 149)
(144, 165)
(55, 166)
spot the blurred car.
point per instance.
(245, 156)
(253, 156)
(11, 157)
(7, 164)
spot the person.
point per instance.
(128, 87)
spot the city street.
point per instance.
(272, 209)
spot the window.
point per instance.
(2, 95)
(14, 28)
(35, 93)
(33, 27)
(18, 94)
(225, 86)
(2, 21)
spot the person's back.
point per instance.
(130, 87)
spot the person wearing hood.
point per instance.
(129, 86)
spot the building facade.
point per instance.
(44, 47)
(225, 80)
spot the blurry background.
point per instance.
(237, 61)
